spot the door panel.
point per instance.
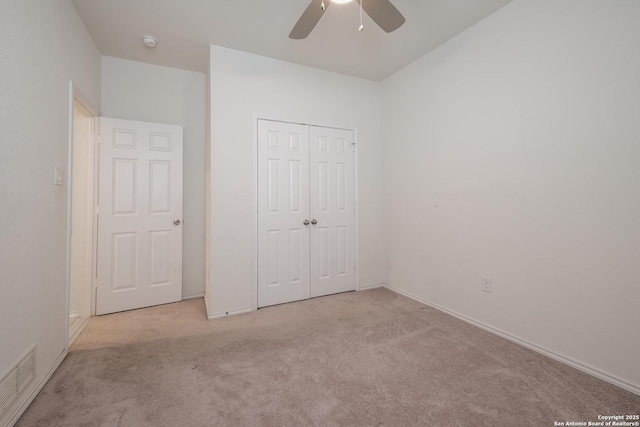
(332, 206)
(140, 196)
(283, 205)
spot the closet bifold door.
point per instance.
(283, 209)
(332, 210)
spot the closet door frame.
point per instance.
(254, 166)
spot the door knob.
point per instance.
(177, 221)
(306, 222)
(314, 222)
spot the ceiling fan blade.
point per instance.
(309, 19)
(384, 14)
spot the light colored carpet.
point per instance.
(371, 358)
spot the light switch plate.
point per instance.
(57, 176)
(487, 284)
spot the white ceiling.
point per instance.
(186, 28)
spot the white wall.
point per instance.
(513, 151)
(136, 91)
(243, 84)
(207, 219)
(43, 45)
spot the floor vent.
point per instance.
(17, 379)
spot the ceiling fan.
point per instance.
(382, 12)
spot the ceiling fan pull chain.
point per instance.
(361, 25)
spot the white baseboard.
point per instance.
(26, 401)
(207, 303)
(75, 330)
(247, 310)
(584, 368)
(367, 287)
(229, 313)
(193, 297)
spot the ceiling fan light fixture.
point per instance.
(382, 12)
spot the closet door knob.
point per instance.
(177, 221)
(314, 222)
(306, 222)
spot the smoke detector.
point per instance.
(149, 41)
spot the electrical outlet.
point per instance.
(487, 284)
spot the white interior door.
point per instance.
(283, 208)
(332, 211)
(306, 212)
(139, 215)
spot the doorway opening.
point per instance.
(81, 213)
